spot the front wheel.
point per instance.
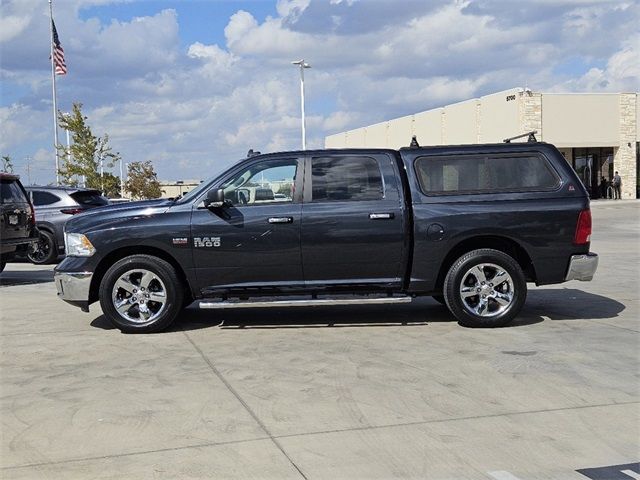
(141, 294)
(485, 288)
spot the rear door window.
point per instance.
(90, 198)
(345, 178)
(41, 199)
(485, 173)
(10, 192)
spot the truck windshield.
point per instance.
(190, 195)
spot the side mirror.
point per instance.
(215, 198)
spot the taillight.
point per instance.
(583, 229)
(33, 214)
(71, 211)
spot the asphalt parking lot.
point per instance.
(331, 393)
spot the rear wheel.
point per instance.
(44, 251)
(485, 288)
(141, 294)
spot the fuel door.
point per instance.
(435, 232)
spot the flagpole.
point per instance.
(55, 101)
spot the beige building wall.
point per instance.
(565, 120)
(427, 126)
(580, 120)
(499, 116)
(460, 123)
(376, 136)
(173, 189)
(400, 131)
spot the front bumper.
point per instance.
(582, 267)
(73, 287)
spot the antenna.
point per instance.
(414, 142)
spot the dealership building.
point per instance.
(597, 133)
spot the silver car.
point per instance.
(54, 206)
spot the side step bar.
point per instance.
(305, 303)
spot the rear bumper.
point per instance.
(582, 267)
(73, 287)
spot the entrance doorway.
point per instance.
(591, 164)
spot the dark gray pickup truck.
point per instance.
(469, 225)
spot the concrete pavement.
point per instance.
(344, 392)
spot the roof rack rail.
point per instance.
(531, 135)
(251, 153)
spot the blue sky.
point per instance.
(191, 15)
(192, 85)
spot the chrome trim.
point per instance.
(73, 286)
(582, 267)
(305, 303)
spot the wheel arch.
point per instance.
(503, 244)
(123, 252)
(46, 226)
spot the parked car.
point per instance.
(469, 225)
(54, 206)
(17, 220)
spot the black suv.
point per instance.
(54, 206)
(17, 223)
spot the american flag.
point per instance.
(58, 53)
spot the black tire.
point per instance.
(45, 251)
(439, 299)
(489, 298)
(165, 281)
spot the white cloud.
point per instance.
(192, 108)
(622, 72)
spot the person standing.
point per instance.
(616, 183)
(603, 187)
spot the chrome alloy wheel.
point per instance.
(139, 296)
(486, 290)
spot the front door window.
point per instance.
(265, 182)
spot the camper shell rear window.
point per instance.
(455, 174)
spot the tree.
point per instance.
(84, 156)
(142, 181)
(110, 185)
(7, 164)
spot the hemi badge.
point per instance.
(180, 241)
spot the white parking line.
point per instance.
(631, 473)
(502, 475)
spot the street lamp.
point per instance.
(302, 64)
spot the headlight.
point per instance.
(78, 245)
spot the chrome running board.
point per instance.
(318, 302)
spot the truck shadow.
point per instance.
(554, 304)
(571, 304)
(11, 278)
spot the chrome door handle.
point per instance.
(381, 216)
(281, 220)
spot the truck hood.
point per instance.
(105, 217)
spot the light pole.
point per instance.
(302, 64)
(101, 174)
(121, 180)
(67, 116)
